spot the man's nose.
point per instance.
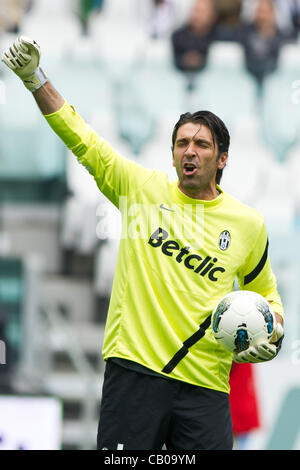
(190, 151)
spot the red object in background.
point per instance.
(243, 399)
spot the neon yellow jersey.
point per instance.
(177, 258)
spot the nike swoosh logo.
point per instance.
(166, 208)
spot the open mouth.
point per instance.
(189, 169)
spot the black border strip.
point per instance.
(251, 276)
(186, 345)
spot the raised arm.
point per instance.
(115, 175)
(48, 99)
(23, 57)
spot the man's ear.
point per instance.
(222, 160)
(173, 159)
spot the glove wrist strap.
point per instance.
(36, 81)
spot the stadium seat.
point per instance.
(289, 58)
(280, 104)
(135, 123)
(161, 87)
(12, 296)
(114, 9)
(276, 201)
(56, 8)
(252, 176)
(84, 84)
(117, 41)
(293, 165)
(32, 159)
(27, 147)
(248, 162)
(224, 87)
(62, 31)
(226, 55)
(79, 225)
(146, 94)
(183, 10)
(158, 51)
(157, 153)
(109, 231)
(280, 116)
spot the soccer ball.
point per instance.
(242, 319)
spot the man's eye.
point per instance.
(182, 143)
(205, 146)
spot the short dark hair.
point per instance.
(216, 126)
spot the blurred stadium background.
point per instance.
(59, 236)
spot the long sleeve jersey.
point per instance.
(177, 258)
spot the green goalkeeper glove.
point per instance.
(23, 57)
(264, 351)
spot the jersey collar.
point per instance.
(182, 198)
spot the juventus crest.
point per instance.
(224, 240)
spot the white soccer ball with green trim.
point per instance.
(242, 319)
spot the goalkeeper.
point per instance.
(166, 377)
